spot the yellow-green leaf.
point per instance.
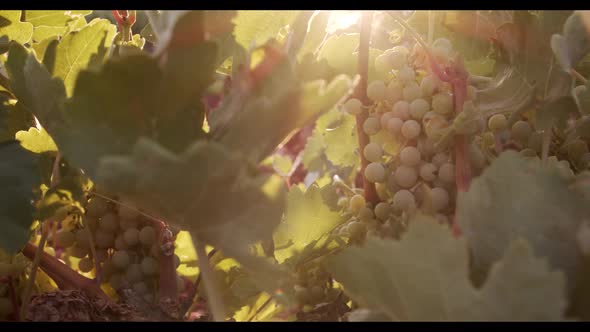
(11, 25)
(36, 140)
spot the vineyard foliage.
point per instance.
(294, 165)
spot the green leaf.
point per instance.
(260, 25)
(11, 26)
(556, 113)
(341, 142)
(44, 32)
(53, 17)
(78, 50)
(425, 277)
(307, 218)
(36, 140)
(515, 199)
(570, 47)
(19, 177)
(206, 180)
(12, 119)
(338, 51)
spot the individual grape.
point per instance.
(394, 91)
(383, 63)
(49, 250)
(356, 229)
(357, 202)
(394, 126)
(497, 122)
(401, 110)
(109, 223)
(120, 243)
(410, 156)
(428, 85)
(398, 59)
(412, 91)
(133, 273)
(411, 129)
(446, 173)
(65, 239)
(375, 172)
(440, 198)
(86, 265)
(443, 43)
(418, 108)
(381, 189)
(149, 266)
(405, 176)
(353, 106)
(385, 118)
(441, 53)
(442, 103)
(435, 125)
(96, 207)
(78, 252)
(371, 126)
(576, 149)
(117, 281)
(342, 202)
(476, 156)
(140, 287)
(121, 259)
(406, 74)
(147, 236)
(373, 152)
(440, 158)
(426, 147)
(565, 171)
(128, 210)
(131, 236)
(103, 239)
(128, 223)
(488, 139)
(536, 142)
(376, 91)
(382, 210)
(428, 172)
(521, 130)
(579, 89)
(6, 306)
(403, 200)
(366, 213)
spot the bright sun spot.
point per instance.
(342, 19)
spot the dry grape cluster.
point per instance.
(125, 242)
(414, 113)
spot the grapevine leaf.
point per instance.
(529, 201)
(78, 50)
(338, 51)
(313, 151)
(35, 140)
(68, 192)
(19, 176)
(44, 32)
(53, 18)
(341, 142)
(180, 187)
(42, 46)
(260, 25)
(307, 218)
(425, 277)
(17, 56)
(571, 46)
(315, 35)
(12, 119)
(556, 113)
(11, 26)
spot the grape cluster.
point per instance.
(314, 285)
(413, 112)
(125, 242)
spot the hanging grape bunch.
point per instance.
(122, 241)
(411, 124)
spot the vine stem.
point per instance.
(45, 225)
(214, 299)
(361, 94)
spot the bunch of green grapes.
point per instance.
(314, 285)
(409, 115)
(125, 243)
(411, 125)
